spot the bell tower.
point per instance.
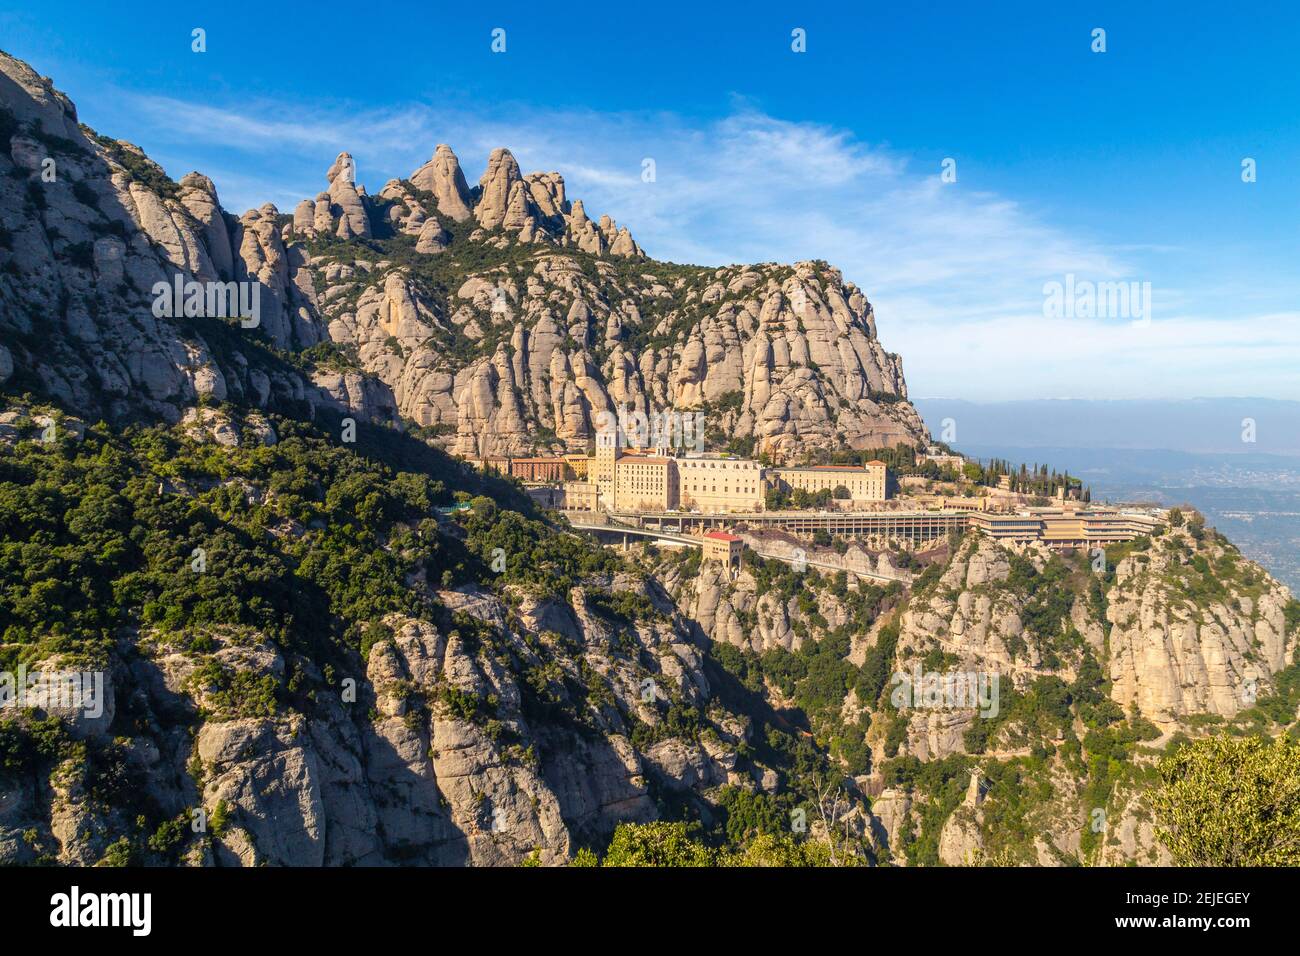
(604, 465)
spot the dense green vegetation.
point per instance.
(1281, 706)
(781, 499)
(670, 845)
(529, 553)
(1226, 801)
(301, 541)
(305, 545)
(1048, 596)
(1037, 480)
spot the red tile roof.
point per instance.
(721, 536)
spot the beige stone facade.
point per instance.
(715, 484)
(645, 483)
(600, 471)
(580, 496)
(578, 465)
(868, 483)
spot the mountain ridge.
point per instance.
(333, 644)
(501, 318)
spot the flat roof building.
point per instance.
(717, 484)
(865, 483)
(645, 483)
(1007, 527)
(1066, 528)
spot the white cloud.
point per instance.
(1028, 355)
(955, 274)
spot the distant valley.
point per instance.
(1253, 497)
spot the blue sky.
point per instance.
(1115, 166)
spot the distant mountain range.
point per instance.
(1204, 425)
(1173, 452)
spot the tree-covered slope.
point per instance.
(325, 654)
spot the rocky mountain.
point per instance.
(300, 665)
(500, 317)
(324, 641)
(297, 657)
(1099, 670)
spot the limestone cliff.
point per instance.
(501, 317)
(1101, 663)
(435, 762)
(487, 724)
(88, 227)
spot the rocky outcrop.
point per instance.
(791, 383)
(285, 289)
(442, 177)
(437, 753)
(199, 196)
(504, 362)
(1166, 654)
(85, 251)
(960, 843)
(969, 614)
(501, 202)
(1182, 642)
(346, 206)
(32, 98)
(730, 610)
(341, 210)
(224, 428)
(534, 208)
(891, 817)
